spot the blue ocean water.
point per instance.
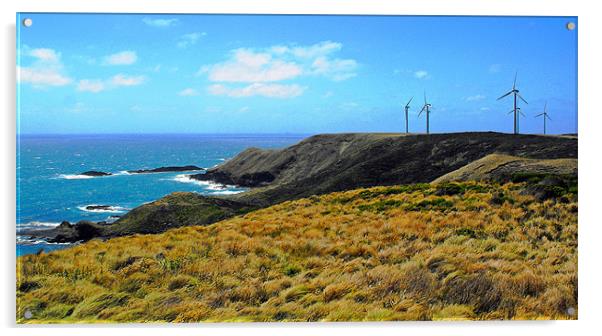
(50, 189)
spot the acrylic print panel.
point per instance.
(192, 168)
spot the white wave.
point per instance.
(25, 240)
(122, 172)
(208, 185)
(75, 176)
(37, 224)
(111, 209)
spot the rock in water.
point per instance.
(165, 169)
(95, 173)
(99, 207)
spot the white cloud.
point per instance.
(336, 69)
(258, 89)
(275, 64)
(421, 74)
(91, 85)
(475, 97)
(317, 50)
(99, 85)
(45, 54)
(46, 70)
(161, 23)
(121, 58)
(189, 39)
(308, 52)
(41, 77)
(188, 92)
(125, 80)
(485, 109)
(243, 109)
(246, 66)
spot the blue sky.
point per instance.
(88, 73)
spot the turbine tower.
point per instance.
(407, 108)
(426, 108)
(518, 117)
(545, 116)
(516, 110)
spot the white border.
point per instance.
(589, 158)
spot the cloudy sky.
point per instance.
(83, 73)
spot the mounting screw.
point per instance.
(570, 26)
(27, 22)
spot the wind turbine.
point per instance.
(518, 117)
(516, 110)
(407, 108)
(545, 116)
(426, 108)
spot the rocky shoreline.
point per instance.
(323, 164)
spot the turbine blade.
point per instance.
(514, 84)
(505, 95)
(548, 117)
(510, 111)
(545, 106)
(521, 112)
(521, 97)
(538, 115)
(425, 98)
(408, 104)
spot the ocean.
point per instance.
(50, 189)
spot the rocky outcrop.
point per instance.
(175, 210)
(165, 169)
(95, 173)
(67, 232)
(99, 207)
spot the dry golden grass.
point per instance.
(385, 253)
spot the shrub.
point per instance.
(291, 270)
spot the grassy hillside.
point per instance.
(417, 252)
(499, 167)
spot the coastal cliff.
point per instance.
(336, 162)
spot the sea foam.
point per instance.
(75, 177)
(217, 188)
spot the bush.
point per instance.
(292, 270)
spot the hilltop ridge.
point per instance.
(335, 162)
